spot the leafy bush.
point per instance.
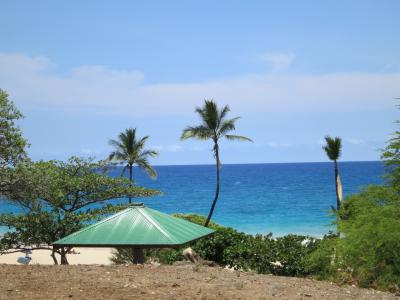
(292, 251)
(228, 247)
(164, 256)
(370, 245)
(322, 263)
(368, 250)
(255, 253)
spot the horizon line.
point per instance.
(266, 163)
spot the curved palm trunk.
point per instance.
(131, 180)
(338, 196)
(338, 199)
(216, 147)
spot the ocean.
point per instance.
(280, 198)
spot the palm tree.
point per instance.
(214, 126)
(333, 149)
(129, 150)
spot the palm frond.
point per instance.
(227, 125)
(233, 137)
(129, 149)
(333, 147)
(124, 170)
(145, 165)
(143, 140)
(214, 124)
(224, 112)
(117, 157)
(212, 114)
(148, 153)
(200, 132)
(116, 144)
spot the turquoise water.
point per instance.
(258, 198)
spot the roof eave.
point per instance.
(148, 246)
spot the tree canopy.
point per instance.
(12, 144)
(333, 147)
(214, 124)
(57, 198)
(130, 150)
(391, 158)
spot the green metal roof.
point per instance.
(136, 226)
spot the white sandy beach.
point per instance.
(86, 256)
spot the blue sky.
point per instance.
(82, 71)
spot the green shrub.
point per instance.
(370, 245)
(322, 263)
(165, 256)
(122, 256)
(214, 246)
(368, 250)
(253, 253)
(292, 254)
(228, 247)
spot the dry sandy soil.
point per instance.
(183, 281)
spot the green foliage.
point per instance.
(333, 147)
(122, 256)
(228, 247)
(57, 199)
(322, 263)
(165, 256)
(391, 158)
(12, 144)
(371, 237)
(129, 150)
(258, 253)
(214, 124)
(215, 246)
(291, 253)
(198, 219)
(368, 251)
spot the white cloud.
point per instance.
(278, 61)
(168, 148)
(355, 141)
(35, 82)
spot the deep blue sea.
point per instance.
(257, 198)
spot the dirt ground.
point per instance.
(183, 281)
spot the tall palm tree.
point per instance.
(333, 149)
(129, 150)
(214, 126)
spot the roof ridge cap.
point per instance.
(157, 226)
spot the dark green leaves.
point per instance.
(12, 144)
(58, 198)
(333, 147)
(391, 158)
(130, 149)
(214, 124)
